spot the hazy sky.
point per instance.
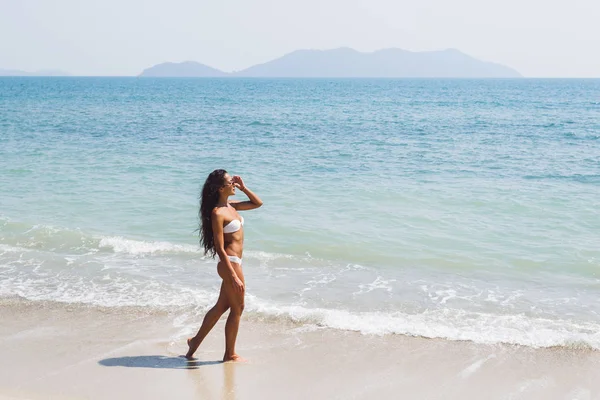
(541, 38)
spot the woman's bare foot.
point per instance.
(234, 358)
(193, 347)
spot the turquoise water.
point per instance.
(460, 209)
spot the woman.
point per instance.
(222, 234)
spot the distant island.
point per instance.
(349, 63)
(185, 69)
(48, 72)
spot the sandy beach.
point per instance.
(57, 351)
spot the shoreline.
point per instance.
(60, 351)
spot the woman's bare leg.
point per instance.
(236, 306)
(210, 319)
(231, 330)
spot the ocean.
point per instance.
(451, 209)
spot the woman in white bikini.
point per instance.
(222, 234)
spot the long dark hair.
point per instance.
(208, 201)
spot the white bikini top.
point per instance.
(234, 226)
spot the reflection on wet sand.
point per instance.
(206, 380)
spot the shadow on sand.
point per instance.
(156, 362)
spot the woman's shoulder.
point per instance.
(217, 211)
(222, 211)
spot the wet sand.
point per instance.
(58, 351)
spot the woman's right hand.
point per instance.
(237, 283)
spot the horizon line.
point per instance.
(294, 77)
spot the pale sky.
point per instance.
(539, 38)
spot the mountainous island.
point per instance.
(48, 72)
(349, 63)
(186, 69)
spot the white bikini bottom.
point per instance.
(235, 259)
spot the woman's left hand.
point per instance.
(238, 182)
